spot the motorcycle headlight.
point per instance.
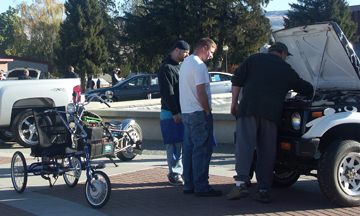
(109, 94)
(296, 120)
(71, 108)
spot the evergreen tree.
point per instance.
(82, 42)
(312, 11)
(153, 27)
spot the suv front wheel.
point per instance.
(339, 172)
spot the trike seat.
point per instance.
(54, 137)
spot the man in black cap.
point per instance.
(170, 105)
(265, 78)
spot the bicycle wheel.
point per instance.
(98, 195)
(71, 177)
(18, 172)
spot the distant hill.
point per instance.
(276, 19)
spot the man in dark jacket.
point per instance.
(170, 105)
(71, 73)
(25, 76)
(115, 76)
(265, 78)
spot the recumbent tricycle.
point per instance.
(56, 157)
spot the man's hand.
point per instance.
(234, 109)
(177, 118)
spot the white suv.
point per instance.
(320, 135)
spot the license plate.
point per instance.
(108, 148)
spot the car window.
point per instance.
(219, 77)
(139, 81)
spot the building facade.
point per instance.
(11, 62)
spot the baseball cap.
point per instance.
(181, 45)
(278, 46)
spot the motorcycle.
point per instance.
(107, 139)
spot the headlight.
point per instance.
(109, 94)
(296, 120)
(71, 108)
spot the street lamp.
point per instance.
(226, 48)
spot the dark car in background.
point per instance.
(142, 86)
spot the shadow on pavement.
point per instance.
(147, 192)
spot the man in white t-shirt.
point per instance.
(195, 102)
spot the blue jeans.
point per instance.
(174, 159)
(198, 147)
(173, 151)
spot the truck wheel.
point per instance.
(24, 129)
(6, 136)
(339, 173)
(284, 177)
(136, 134)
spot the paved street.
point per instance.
(140, 187)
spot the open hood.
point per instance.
(322, 55)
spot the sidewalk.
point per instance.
(140, 187)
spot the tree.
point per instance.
(150, 29)
(82, 42)
(41, 21)
(12, 37)
(311, 11)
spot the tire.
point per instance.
(338, 169)
(98, 196)
(284, 177)
(18, 172)
(24, 129)
(136, 134)
(71, 177)
(6, 136)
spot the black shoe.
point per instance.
(189, 191)
(262, 197)
(210, 193)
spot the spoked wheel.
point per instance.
(135, 134)
(98, 195)
(18, 172)
(71, 177)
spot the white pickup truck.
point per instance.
(18, 97)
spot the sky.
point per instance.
(274, 5)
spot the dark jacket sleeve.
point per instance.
(167, 91)
(300, 85)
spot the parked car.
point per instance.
(33, 73)
(220, 82)
(142, 86)
(319, 135)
